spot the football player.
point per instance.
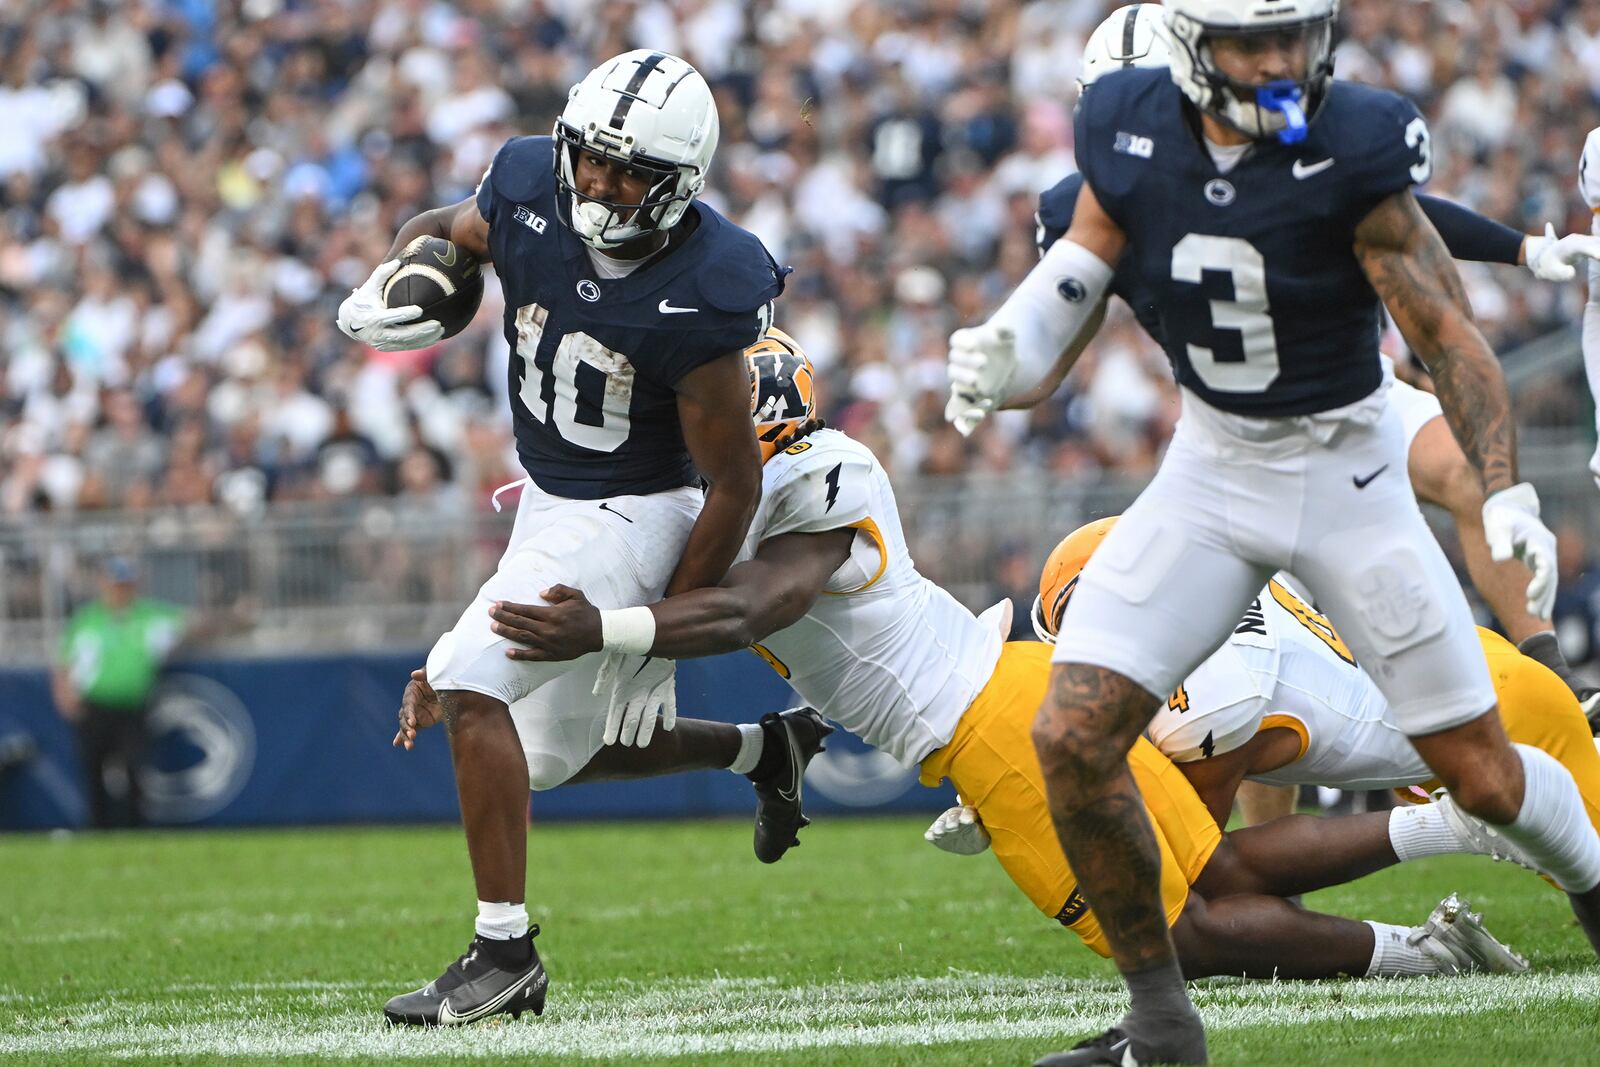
(1268, 210)
(1284, 701)
(1439, 471)
(628, 305)
(1589, 186)
(827, 594)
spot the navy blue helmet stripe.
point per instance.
(641, 71)
(1127, 35)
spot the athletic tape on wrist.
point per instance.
(631, 630)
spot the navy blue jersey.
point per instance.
(1467, 234)
(1263, 307)
(595, 362)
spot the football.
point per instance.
(441, 279)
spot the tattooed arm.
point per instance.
(1411, 269)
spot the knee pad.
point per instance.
(1399, 609)
(546, 770)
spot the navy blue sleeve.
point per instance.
(1469, 235)
(1056, 205)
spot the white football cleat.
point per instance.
(1455, 936)
(1482, 838)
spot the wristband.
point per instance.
(631, 630)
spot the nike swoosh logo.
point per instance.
(1362, 483)
(667, 309)
(793, 795)
(1302, 171)
(448, 1016)
(615, 512)
(447, 261)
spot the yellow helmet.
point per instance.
(1060, 575)
(782, 389)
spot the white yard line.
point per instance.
(698, 1018)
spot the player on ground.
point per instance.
(1439, 471)
(628, 306)
(828, 595)
(1268, 209)
(1283, 701)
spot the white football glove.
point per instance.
(1555, 259)
(1512, 527)
(958, 830)
(366, 318)
(638, 686)
(982, 361)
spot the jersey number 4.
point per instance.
(592, 387)
(1247, 312)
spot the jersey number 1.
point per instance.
(593, 388)
(1247, 312)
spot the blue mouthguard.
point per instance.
(1284, 97)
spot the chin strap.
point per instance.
(1284, 98)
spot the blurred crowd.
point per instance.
(188, 188)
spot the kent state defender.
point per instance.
(628, 306)
(829, 597)
(1284, 702)
(1268, 210)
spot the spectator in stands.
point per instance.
(110, 659)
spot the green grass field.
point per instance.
(669, 943)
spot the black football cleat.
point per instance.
(797, 735)
(476, 986)
(1111, 1049)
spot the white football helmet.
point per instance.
(1281, 109)
(651, 112)
(1129, 37)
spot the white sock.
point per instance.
(1417, 830)
(1553, 826)
(501, 922)
(1393, 956)
(750, 735)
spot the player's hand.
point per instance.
(419, 709)
(982, 362)
(366, 318)
(1512, 527)
(639, 686)
(567, 627)
(958, 830)
(1555, 259)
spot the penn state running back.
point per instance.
(628, 306)
(1268, 210)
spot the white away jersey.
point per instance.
(1285, 665)
(884, 652)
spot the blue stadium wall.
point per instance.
(255, 742)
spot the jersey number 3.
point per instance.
(1247, 312)
(592, 389)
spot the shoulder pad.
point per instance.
(1589, 171)
(818, 485)
(1114, 132)
(1056, 205)
(738, 274)
(1382, 135)
(523, 169)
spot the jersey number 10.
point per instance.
(592, 390)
